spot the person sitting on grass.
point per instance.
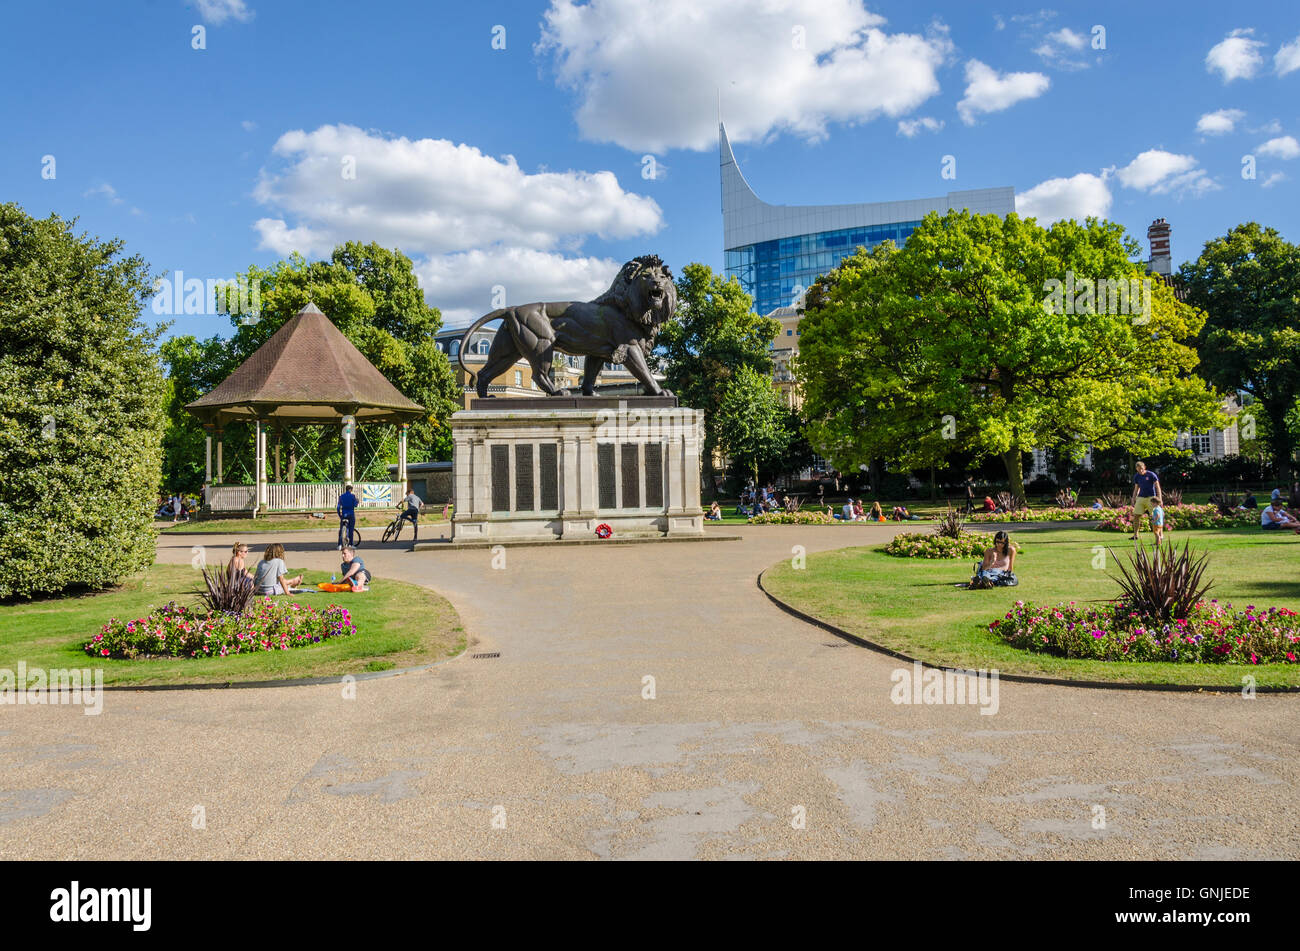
(715, 513)
(847, 511)
(997, 570)
(1096, 504)
(1275, 517)
(989, 504)
(238, 553)
(354, 570)
(901, 514)
(857, 512)
(1158, 522)
(272, 576)
(877, 513)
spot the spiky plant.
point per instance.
(1009, 502)
(1226, 500)
(1166, 584)
(1065, 499)
(1114, 500)
(227, 592)
(950, 524)
(1172, 496)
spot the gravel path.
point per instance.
(759, 724)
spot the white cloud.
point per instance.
(914, 127)
(1287, 58)
(1283, 147)
(248, 125)
(216, 12)
(1236, 56)
(986, 91)
(1271, 127)
(1220, 122)
(106, 190)
(1153, 167)
(430, 196)
(1273, 180)
(461, 284)
(645, 74)
(1077, 197)
(1068, 38)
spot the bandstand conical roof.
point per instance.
(307, 373)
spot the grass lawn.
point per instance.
(398, 625)
(291, 523)
(912, 605)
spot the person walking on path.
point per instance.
(347, 513)
(1146, 495)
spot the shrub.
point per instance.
(801, 517)
(1212, 633)
(916, 545)
(1166, 583)
(1067, 499)
(1043, 515)
(1226, 500)
(1171, 496)
(1115, 500)
(1010, 502)
(176, 631)
(950, 524)
(228, 592)
(81, 396)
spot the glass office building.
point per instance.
(777, 251)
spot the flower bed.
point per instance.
(176, 631)
(1212, 633)
(1043, 515)
(1179, 516)
(810, 517)
(913, 545)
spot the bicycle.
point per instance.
(394, 530)
(352, 538)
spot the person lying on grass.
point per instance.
(997, 570)
(354, 570)
(272, 576)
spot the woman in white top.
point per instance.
(998, 567)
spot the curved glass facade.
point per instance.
(775, 272)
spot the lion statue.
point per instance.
(619, 326)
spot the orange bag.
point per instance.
(331, 586)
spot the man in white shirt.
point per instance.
(1276, 517)
(847, 511)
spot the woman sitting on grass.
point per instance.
(715, 513)
(238, 552)
(272, 576)
(877, 513)
(997, 570)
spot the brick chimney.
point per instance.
(1161, 258)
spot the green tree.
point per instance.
(371, 294)
(714, 336)
(954, 343)
(1248, 283)
(750, 422)
(80, 409)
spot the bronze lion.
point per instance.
(619, 326)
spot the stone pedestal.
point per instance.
(555, 468)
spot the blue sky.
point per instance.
(524, 166)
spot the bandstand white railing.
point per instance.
(302, 496)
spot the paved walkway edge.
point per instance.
(1014, 678)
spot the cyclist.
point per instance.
(347, 512)
(410, 507)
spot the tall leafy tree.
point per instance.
(955, 343)
(1248, 283)
(750, 423)
(714, 336)
(371, 294)
(81, 393)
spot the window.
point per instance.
(454, 349)
(519, 378)
(789, 333)
(481, 346)
(1201, 444)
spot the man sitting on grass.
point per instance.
(354, 570)
(1276, 517)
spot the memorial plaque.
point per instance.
(500, 478)
(631, 475)
(654, 475)
(524, 477)
(605, 476)
(549, 458)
